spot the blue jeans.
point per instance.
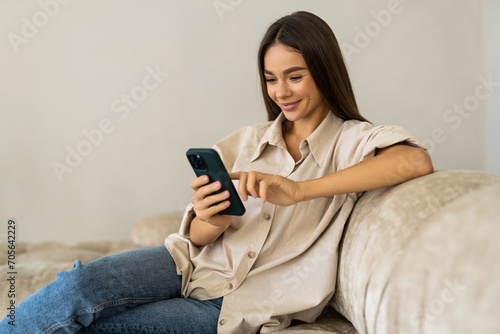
(132, 292)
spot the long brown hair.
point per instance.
(316, 42)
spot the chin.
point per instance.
(292, 116)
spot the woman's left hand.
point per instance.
(270, 188)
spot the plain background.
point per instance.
(68, 68)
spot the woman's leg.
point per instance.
(102, 287)
(172, 316)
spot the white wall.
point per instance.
(491, 26)
(74, 71)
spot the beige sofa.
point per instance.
(421, 257)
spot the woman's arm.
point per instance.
(390, 166)
(203, 232)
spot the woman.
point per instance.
(300, 175)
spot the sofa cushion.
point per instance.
(38, 263)
(152, 231)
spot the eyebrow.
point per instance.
(288, 70)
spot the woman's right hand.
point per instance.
(207, 207)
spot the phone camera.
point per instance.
(197, 161)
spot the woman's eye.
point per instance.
(270, 80)
(296, 78)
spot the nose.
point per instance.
(282, 90)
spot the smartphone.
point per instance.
(206, 161)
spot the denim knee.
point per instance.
(69, 279)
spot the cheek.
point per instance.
(308, 89)
(270, 92)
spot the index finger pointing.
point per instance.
(235, 175)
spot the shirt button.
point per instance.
(251, 254)
(222, 322)
(229, 286)
(267, 216)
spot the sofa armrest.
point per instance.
(422, 257)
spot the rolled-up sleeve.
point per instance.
(188, 217)
(361, 141)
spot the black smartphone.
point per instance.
(206, 161)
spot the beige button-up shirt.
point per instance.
(275, 263)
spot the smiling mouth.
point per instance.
(289, 106)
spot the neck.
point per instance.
(301, 129)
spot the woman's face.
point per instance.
(291, 86)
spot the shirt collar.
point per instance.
(321, 139)
(273, 136)
(318, 140)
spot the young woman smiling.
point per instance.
(299, 174)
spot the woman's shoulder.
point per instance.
(354, 127)
(248, 134)
(245, 139)
(364, 128)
